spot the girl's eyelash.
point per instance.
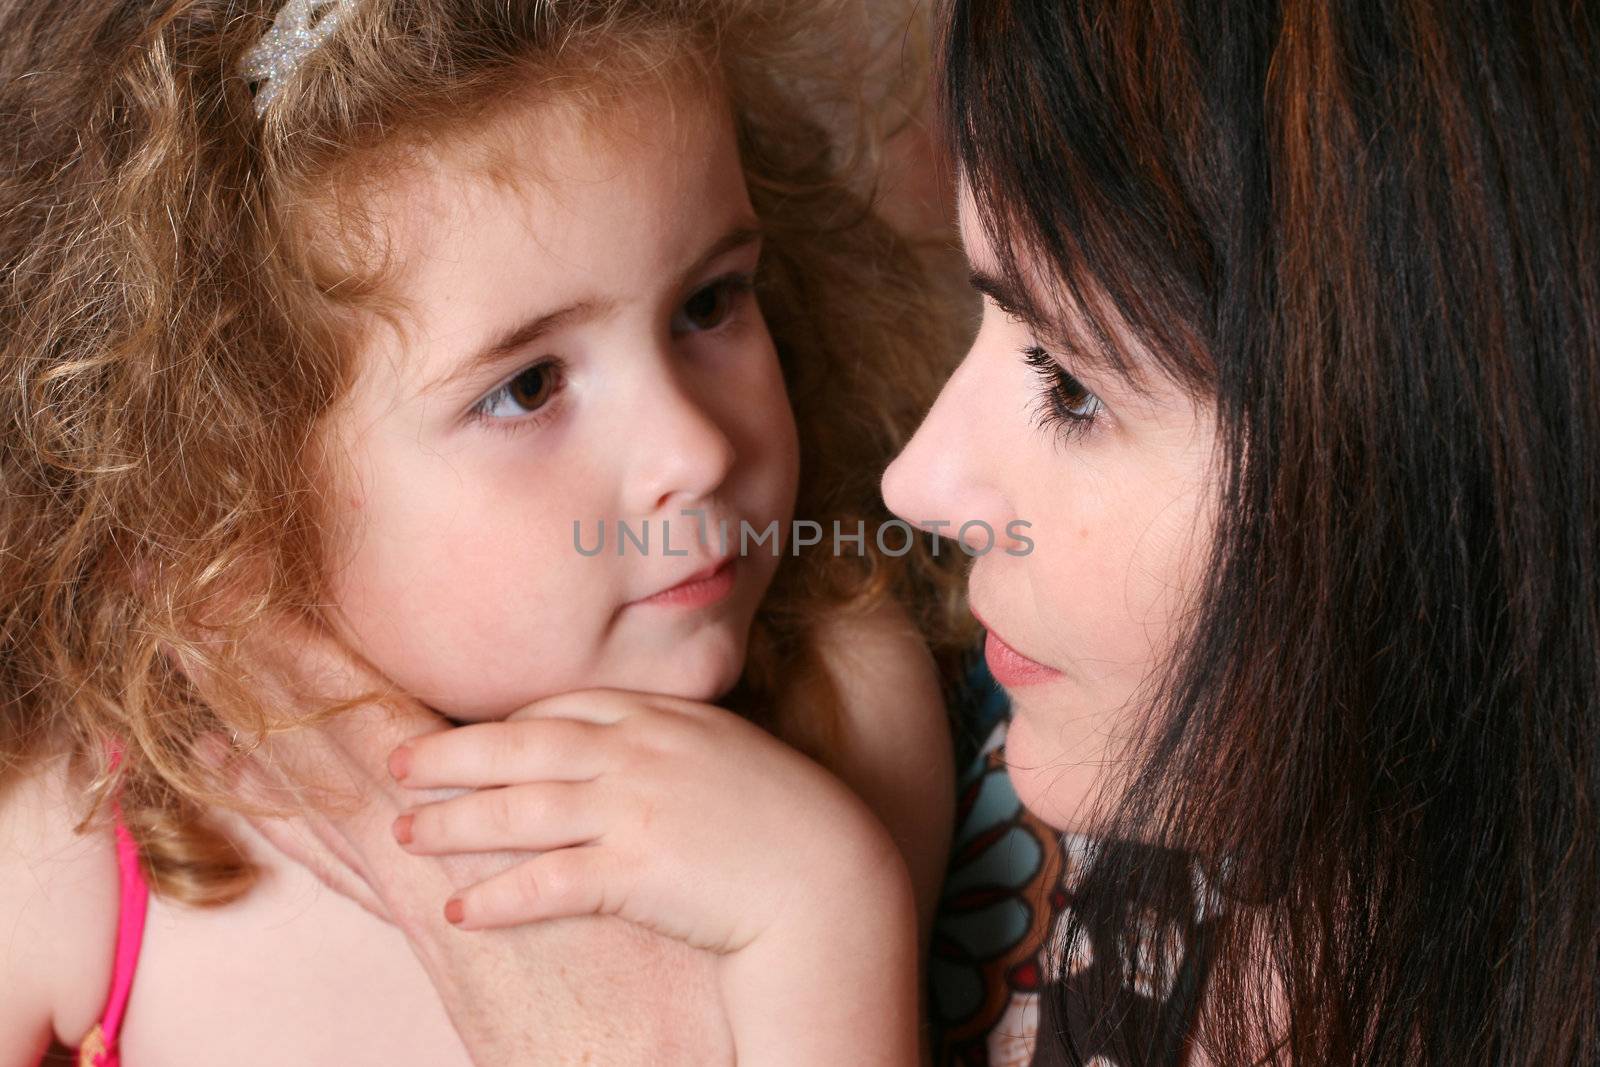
(479, 412)
(737, 282)
(1064, 404)
(735, 285)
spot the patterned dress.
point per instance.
(999, 962)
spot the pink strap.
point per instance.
(134, 903)
(130, 930)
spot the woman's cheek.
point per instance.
(1093, 587)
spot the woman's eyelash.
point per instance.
(1064, 405)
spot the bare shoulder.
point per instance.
(895, 722)
(896, 735)
(58, 913)
(876, 654)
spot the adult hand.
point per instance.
(553, 992)
(326, 786)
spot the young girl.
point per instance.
(365, 317)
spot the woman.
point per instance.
(1291, 358)
(1315, 283)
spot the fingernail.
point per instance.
(453, 911)
(402, 829)
(400, 763)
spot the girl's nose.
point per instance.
(681, 453)
(947, 478)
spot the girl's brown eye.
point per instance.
(532, 388)
(518, 401)
(707, 309)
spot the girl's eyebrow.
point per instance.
(742, 234)
(508, 342)
(503, 346)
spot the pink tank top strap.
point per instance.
(100, 1047)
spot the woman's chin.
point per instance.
(1050, 780)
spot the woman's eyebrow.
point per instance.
(1005, 295)
(1023, 305)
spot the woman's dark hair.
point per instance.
(1369, 232)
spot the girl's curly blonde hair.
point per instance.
(175, 314)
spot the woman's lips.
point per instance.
(1010, 667)
(699, 590)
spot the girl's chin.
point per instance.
(705, 681)
(703, 666)
(701, 675)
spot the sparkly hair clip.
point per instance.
(300, 27)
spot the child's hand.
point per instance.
(679, 816)
(688, 820)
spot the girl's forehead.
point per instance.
(385, 218)
(536, 146)
(584, 209)
(527, 134)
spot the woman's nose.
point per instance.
(946, 480)
(682, 454)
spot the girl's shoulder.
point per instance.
(59, 898)
(889, 685)
(895, 735)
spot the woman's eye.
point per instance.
(1065, 404)
(711, 306)
(525, 394)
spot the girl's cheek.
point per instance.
(769, 422)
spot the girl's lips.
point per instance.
(699, 590)
(1010, 667)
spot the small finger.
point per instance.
(501, 753)
(562, 884)
(535, 817)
